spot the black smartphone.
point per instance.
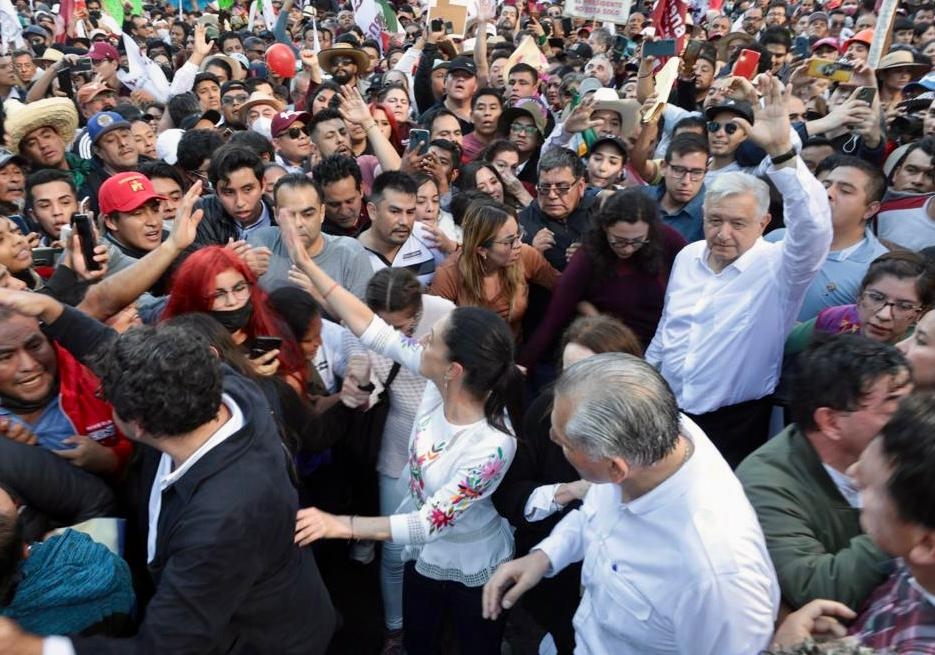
(262, 345)
(82, 224)
(45, 256)
(566, 26)
(661, 48)
(419, 141)
(866, 94)
(83, 65)
(801, 47)
(449, 27)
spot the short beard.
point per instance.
(341, 77)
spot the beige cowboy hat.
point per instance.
(628, 110)
(902, 59)
(326, 56)
(725, 42)
(257, 98)
(49, 56)
(58, 113)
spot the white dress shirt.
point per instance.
(721, 336)
(681, 569)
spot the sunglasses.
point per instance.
(294, 132)
(729, 128)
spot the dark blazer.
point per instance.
(227, 575)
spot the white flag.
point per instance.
(369, 17)
(143, 73)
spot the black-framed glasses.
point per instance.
(679, 172)
(561, 189)
(715, 126)
(876, 302)
(514, 241)
(627, 243)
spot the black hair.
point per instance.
(451, 148)
(557, 158)
(686, 144)
(690, 122)
(320, 117)
(182, 105)
(206, 77)
(481, 342)
(393, 289)
(164, 378)
(227, 36)
(253, 141)
(629, 205)
(11, 554)
(297, 181)
(904, 264)
(836, 371)
(432, 116)
(313, 92)
(463, 201)
(467, 178)
(251, 83)
(392, 181)
(908, 442)
(45, 176)
(776, 35)
(296, 307)
(336, 168)
(159, 169)
(495, 147)
(230, 158)
(486, 92)
(876, 184)
(524, 68)
(195, 146)
(220, 63)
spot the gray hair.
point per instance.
(561, 158)
(603, 36)
(622, 408)
(737, 183)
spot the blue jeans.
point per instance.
(392, 494)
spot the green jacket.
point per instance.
(812, 533)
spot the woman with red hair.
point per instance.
(215, 281)
(383, 115)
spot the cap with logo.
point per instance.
(126, 192)
(103, 122)
(462, 64)
(100, 50)
(284, 120)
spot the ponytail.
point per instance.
(506, 394)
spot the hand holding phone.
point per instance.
(86, 240)
(419, 140)
(660, 48)
(746, 65)
(262, 345)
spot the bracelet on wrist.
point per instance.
(784, 157)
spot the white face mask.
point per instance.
(163, 34)
(264, 126)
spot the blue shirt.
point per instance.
(687, 220)
(838, 281)
(52, 427)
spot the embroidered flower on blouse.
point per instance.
(441, 518)
(474, 485)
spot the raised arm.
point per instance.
(354, 110)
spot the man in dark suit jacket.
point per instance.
(220, 509)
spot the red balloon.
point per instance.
(281, 60)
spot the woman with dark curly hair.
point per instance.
(622, 270)
(483, 176)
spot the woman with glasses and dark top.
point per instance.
(526, 125)
(541, 486)
(897, 289)
(621, 270)
(494, 267)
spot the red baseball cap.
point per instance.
(284, 120)
(100, 50)
(126, 192)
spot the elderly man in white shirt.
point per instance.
(674, 560)
(733, 297)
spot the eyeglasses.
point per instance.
(519, 128)
(876, 302)
(97, 62)
(294, 132)
(235, 100)
(715, 126)
(679, 172)
(239, 291)
(560, 189)
(514, 241)
(625, 243)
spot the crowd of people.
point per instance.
(550, 343)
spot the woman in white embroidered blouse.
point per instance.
(461, 446)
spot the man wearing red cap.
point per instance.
(291, 140)
(105, 62)
(131, 211)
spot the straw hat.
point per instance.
(628, 110)
(902, 59)
(326, 56)
(728, 40)
(237, 70)
(257, 98)
(58, 113)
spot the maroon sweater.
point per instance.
(629, 294)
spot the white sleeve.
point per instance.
(382, 338)
(57, 646)
(566, 543)
(541, 503)
(183, 80)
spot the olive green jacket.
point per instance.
(812, 533)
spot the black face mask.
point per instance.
(234, 319)
(95, 15)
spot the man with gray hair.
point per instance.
(733, 297)
(701, 581)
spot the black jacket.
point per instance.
(217, 228)
(227, 575)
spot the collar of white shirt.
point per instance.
(845, 485)
(741, 263)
